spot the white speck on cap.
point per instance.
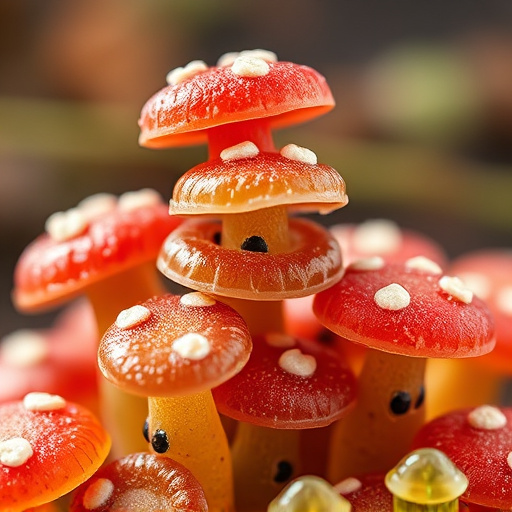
(98, 493)
(348, 485)
(192, 346)
(378, 236)
(509, 460)
(178, 75)
(298, 153)
(478, 283)
(504, 300)
(371, 263)
(62, 226)
(250, 67)
(197, 299)
(24, 348)
(43, 402)
(393, 297)
(280, 340)
(15, 452)
(245, 149)
(95, 206)
(423, 264)
(132, 200)
(132, 317)
(456, 288)
(487, 417)
(295, 362)
(227, 59)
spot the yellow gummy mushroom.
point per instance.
(426, 480)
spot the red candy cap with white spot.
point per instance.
(367, 493)
(406, 310)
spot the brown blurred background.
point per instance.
(422, 132)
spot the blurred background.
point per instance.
(422, 131)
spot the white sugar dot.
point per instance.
(294, 361)
(393, 297)
(192, 346)
(227, 59)
(132, 317)
(98, 493)
(95, 206)
(509, 460)
(487, 417)
(24, 348)
(454, 287)
(245, 149)
(250, 67)
(139, 199)
(504, 300)
(379, 236)
(43, 402)
(423, 264)
(371, 263)
(280, 340)
(478, 283)
(178, 75)
(62, 226)
(348, 485)
(294, 152)
(15, 451)
(197, 299)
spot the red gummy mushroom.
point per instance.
(288, 384)
(48, 447)
(405, 313)
(479, 442)
(241, 99)
(141, 482)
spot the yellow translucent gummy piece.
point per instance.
(309, 494)
(426, 478)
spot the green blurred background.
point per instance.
(422, 131)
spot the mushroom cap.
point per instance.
(191, 258)
(247, 184)
(184, 345)
(481, 452)
(489, 274)
(366, 493)
(141, 482)
(288, 383)
(181, 114)
(404, 310)
(51, 271)
(68, 445)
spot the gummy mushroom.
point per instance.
(48, 447)
(405, 313)
(479, 442)
(105, 248)
(367, 493)
(174, 350)
(242, 98)
(141, 482)
(288, 385)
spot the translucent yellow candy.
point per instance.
(426, 479)
(309, 494)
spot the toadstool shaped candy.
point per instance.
(105, 248)
(287, 385)
(174, 350)
(242, 98)
(405, 313)
(48, 447)
(141, 482)
(479, 442)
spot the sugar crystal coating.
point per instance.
(62, 226)
(456, 289)
(178, 75)
(15, 452)
(227, 59)
(251, 67)
(509, 460)
(192, 346)
(132, 317)
(197, 299)
(245, 149)
(295, 362)
(43, 402)
(98, 493)
(294, 152)
(487, 417)
(393, 297)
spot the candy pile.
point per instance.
(235, 396)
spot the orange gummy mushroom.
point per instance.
(174, 350)
(141, 482)
(404, 313)
(48, 447)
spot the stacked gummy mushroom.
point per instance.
(240, 245)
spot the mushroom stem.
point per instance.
(257, 483)
(372, 438)
(227, 135)
(400, 505)
(197, 440)
(123, 414)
